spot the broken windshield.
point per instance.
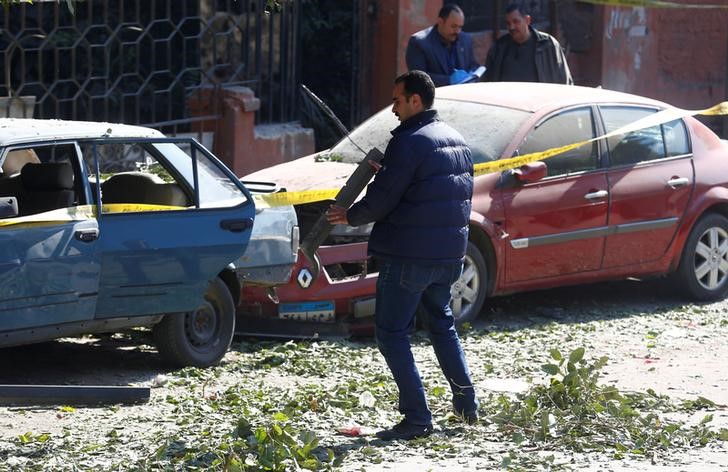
(486, 128)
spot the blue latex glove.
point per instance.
(459, 76)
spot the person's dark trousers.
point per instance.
(401, 286)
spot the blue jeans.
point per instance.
(401, 288)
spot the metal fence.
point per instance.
(139, 61)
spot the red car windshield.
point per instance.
(487, 129)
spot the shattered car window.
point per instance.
(158, 175)
(216, 187)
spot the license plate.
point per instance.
(322, 312)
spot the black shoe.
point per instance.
(405, 430)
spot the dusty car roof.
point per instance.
(534, 96)
(13, 130)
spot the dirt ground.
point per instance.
(653, 339)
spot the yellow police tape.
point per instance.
(664, 116)
(80, 213)
(652, 4)
(295, 198)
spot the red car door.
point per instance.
(557, 226)
(650, 183)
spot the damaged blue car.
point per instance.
(107, 226)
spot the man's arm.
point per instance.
(416, 58)
(336, 215)
(389, 185)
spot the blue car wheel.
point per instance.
(199, 338)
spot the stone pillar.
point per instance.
(235, 142)
(238, 142)
(388, 26)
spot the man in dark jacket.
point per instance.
(526, 54)
(420, 204)
(443, 50)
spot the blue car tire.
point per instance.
(199, 338)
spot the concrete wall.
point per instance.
(675, 55)
(380, 68)
(241, 144)
(415, 15)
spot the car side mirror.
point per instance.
(8, 207)
(531, 172)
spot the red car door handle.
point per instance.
(676, 182)
(236, 226)
(596, 195)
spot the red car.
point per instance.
(646, 203)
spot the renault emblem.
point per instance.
(304, 278)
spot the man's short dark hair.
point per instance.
(520, 7)
(447, 9)
(418, 82)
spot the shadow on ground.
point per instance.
(579, 304)
(118, 359)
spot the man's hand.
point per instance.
(459, 76)
(336, 215)
(374, 165)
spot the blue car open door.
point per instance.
(172, 217)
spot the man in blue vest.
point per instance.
(420, 204)
(443, 50)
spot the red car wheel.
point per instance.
(468, 292)
(703, 271)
